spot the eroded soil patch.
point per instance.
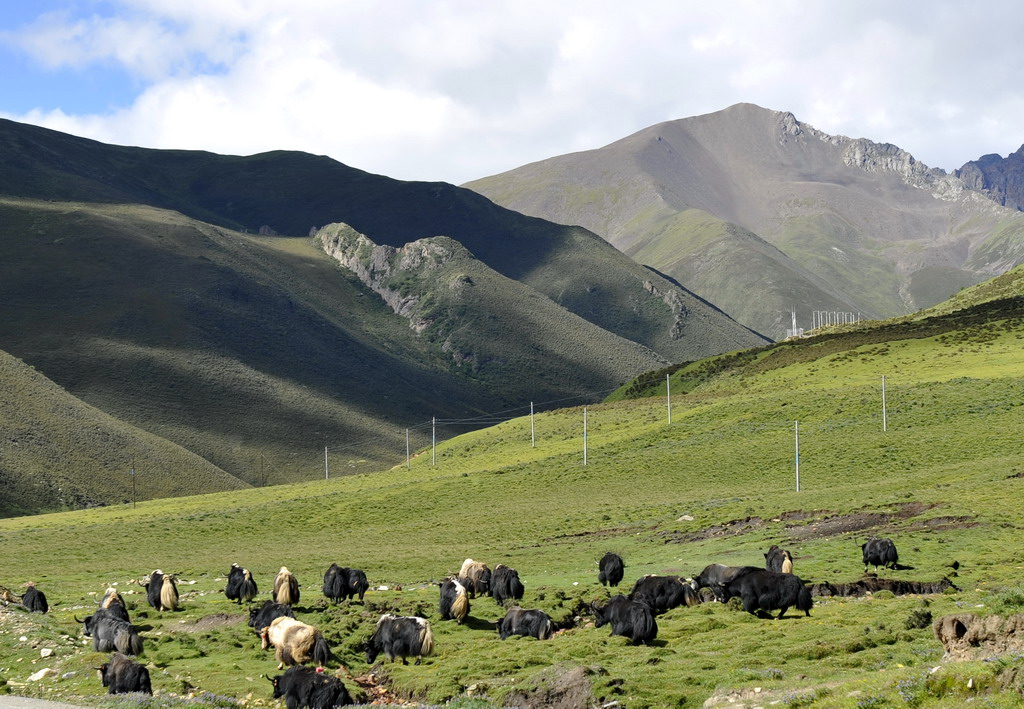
(967, 636)
(209, 622)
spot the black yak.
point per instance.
(454, 601)
(34, 600)
(763, 591)
(241, 586)
(110, 633)
(505, 584)
(476, 577)
(114, 604)
(341, 582)
(400, 636)
(306, 688)
(630, 619)
(715, 576)
(778, 560)
(123, 676)
(161, 591)
(286, 587)
(663, 593)
(295, 643)
(530, 623)
(879, 552)
(610, 569)
(263, 616)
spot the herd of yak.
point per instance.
(295, 643)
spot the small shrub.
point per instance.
(884, 595)
(918, 620)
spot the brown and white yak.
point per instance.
(295, 643)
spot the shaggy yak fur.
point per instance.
(610, 569)
(778, 560)
(715, 576)
(879, 552)
(663, 593)
(530, 623)
(303, 687)
(295, 643)
(114, 603)
(161, 591)
(763, 591)
(123, 676)
(34, 600)
(286, 588)
(241, 586)
(454, 601)
(110, 633)
(341, 582)
(400, 636)
(476, 577)
(263, 616)
(630, 619)
(505, 584)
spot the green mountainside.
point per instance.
(715, 484)
(58, 452)
(137, 281)
(828, 222)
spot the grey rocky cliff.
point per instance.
(379, 267)
(1002, 179)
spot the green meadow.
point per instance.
(944, 480)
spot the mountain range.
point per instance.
(766, 216)
(210, 301)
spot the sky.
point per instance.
(454, 90)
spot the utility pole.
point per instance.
(668, 397)
(584, 435)
(885, 422)
(327, 471)
(408, 461)
(132, 473)
(533, 434)
(433, 440)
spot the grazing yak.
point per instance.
(879, 552)
(241, 586)
(263, 616)
(505, 584)
(306, 688)
(763, 591)
(778, 560)
(454, 601)
(716, 576)
(400, 636)
(530, 623)
(295, 643)
(123, 676)
(476, 577)
(630, 619)
(663, 593)
(111, 633)
(341, 582)
(161, 591)
(286, 588)
(34, 600)
(114, 603)
(610, 569)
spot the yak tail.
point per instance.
(547, 630)
(426, 641)
(248, 590)
(321, 650)
(168, 595)
(804, 602)
(787, 565)
(460, 606)
(128, 642)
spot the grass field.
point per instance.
(715, 485)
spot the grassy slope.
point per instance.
(58, 452)
(952, 447)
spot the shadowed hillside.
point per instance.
(761, 214)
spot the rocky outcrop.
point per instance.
(1002, 179)
(967, 636)
(382, 268)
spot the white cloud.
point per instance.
(458, 89)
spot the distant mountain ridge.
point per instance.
(762, 214)
(1002, 179)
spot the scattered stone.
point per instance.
(68, 675)
(46, 652)
(41, 674)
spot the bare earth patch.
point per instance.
(967, 636)
(209, 622)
